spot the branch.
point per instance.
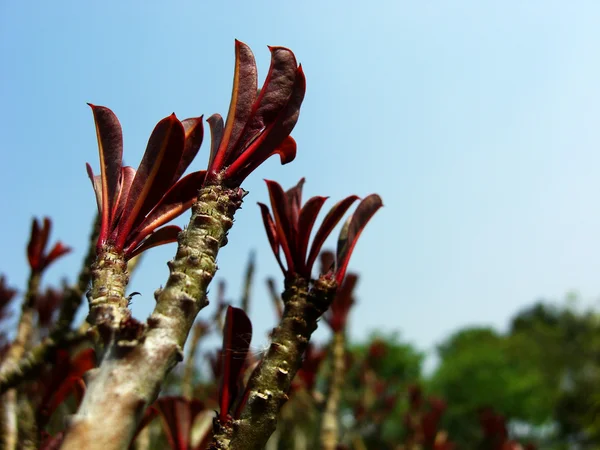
(330, 421)
(270, 383)
(138, 360)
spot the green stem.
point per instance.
(330, 421)
(270, 383)
(137, 361)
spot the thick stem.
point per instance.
(269, 385)
(330, 421)
(137, 361)
(109, 307)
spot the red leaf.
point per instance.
(164, 235)
(337, 316)
(127, 176)
(57, 251)
(154, 175)
(216, 136)
(110, 147)
(352, 230)
(175, 202)
(194, 134)
(271, 230)
(306, 221)
(237, 334)
(282, 221)
(34, 249)
(273, 137)
(178, 415)
(96, 185)
(51, 442)
(331, 220)
(243, 96)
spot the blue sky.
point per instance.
(477, 122)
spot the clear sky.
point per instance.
(477, 122)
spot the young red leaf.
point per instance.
(164, 235)
(57, 251)
(332, 218)
(127, 176)
(337, 316)
(110, 147)
(306, 221)
(216, 135)
(237, 334)
(282, 222)
(194, 134)
(243, 96)
(154, 175)
(271, 230)
(96, 185)
(178, 415)
(175, 202)
(352, 230)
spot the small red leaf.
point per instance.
(237, 334)
(194, 134)
(271, 230)
(216, 135)
(175, 202)
(110, 148)
(282, 222)
(127, 176)
(96, 185)
(164, 235)
(154, 175)
(352, 230)
(331, 220)
(57, 251)
(306, 221)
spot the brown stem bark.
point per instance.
(137, 361)
(270, 383)
(330, 422)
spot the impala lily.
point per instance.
(134, 204)
(337, 315)
(259, 122)
(292, 225)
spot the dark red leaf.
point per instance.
(96, 185)
(176, 201)
(306, 221)
(237, 335)
(127, 176)
(178, 415)
(352, 230)
(331, 220)
(282, 221)
(243, 96)
(154, 175)
(216, 135)
(164, 235)
(337, 316)
(194, 134)
(273, 137)
(34, 250)
(57, 251)
(51, 442)
(271, 230)
(110, 147)
(327, 261)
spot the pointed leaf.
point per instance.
(282, 222)
(127, 176)
(154, 175)
(194, 134)
(271, 230)
(327, 259)
(96, 185)
(216, 136)
(337, 316)
(237, 335)
(164, 235)
(294, 200)
(57, 251)
(176, 201)
(243, 96)
(273, 137)
(331, 220)
(306, 221)
(110, 149)
(33, 247)
(178, 415)
(352, 230)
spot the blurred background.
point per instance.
(475, 121)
